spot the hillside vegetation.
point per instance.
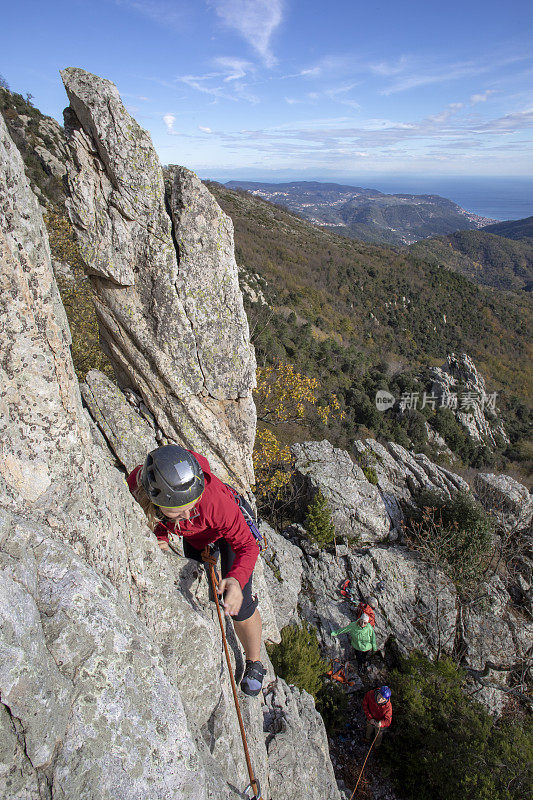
(490, 259)
(362, 318)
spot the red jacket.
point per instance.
(218, 517)
(373, 710)
(364, 608)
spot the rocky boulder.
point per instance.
(400, 475)
(506, 499)
(357, 508)
(472, 406)
(166, 284)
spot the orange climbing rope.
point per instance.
(364, 763)
(254, 785)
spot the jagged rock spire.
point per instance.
(164, 273)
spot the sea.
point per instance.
(496, 198)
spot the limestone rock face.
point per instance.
(81, 676)
(167, 298)
(507, 499)
(400, 474)
(417, 604)
(128, 434)
(291, 720)
(357, 509)
(471, 408)
(495, 640)
(55, 485)
(283, 575)
(112, 679)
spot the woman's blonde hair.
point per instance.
(153, 514)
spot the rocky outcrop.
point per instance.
(83, 685)
(496, 644)
(128, 435)
(59, 496)
(459, 387)
(291, 713)
(357, 509)
(507, 500)
(165, 279)
(41, 141)
(400, 474)
(283, 574)
(417, 604)
(113, 683)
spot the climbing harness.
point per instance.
(364, 763)
(340, 672)
(249, 516)
(254, 786)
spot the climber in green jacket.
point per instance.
(362, 637)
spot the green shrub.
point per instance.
(454, 534)
(442, 744)
(318, 521)
(297, 660)
(371, 475)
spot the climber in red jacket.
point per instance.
(368, 609)
(181, 497)
(377, 708)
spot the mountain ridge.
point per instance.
(367, 214)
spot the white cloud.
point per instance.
(169, 120)
(389, 69)
(482, 97)
(255, 20)
(235, 68)
(204, 129)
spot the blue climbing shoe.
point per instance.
(252, 680)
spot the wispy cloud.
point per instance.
(204, 129)
(226, 82)
(447, 135)
(235, 68)
(163, 12)
(419, 72)
(255, 20)
(481, 97)
(388, 69)
(340, 94)
(169, 120)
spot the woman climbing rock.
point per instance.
(377, 708)
(180, 496)
(362, 637)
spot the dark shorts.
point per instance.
(227, 557)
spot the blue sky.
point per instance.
(287, 88)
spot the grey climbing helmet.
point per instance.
(172, 477)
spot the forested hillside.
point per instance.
(488, 258)
(512, 229)
(362, 318)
